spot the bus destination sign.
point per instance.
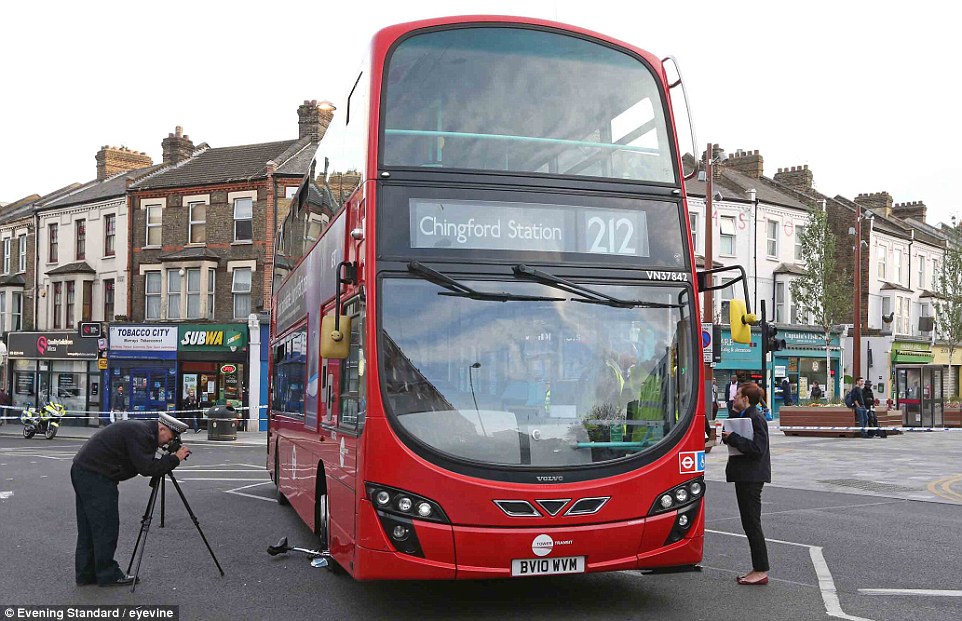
(532, 227)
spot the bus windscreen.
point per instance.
(521, 100)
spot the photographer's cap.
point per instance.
(172, 423)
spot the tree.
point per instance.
(948, 290)
(823, 293)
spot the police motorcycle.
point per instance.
(45, 420)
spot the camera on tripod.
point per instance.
(176, 427)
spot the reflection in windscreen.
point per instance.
(535, 383)
(512, 99)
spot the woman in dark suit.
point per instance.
(749, 472)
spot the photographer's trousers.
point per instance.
(98, 526)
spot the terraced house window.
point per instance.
(57, 305)
(53, 232)
(154, 223)
(173, 294)
(211, 277)
(109, 299)
(152, 295)
(110, 235)
(71, 303)
(727, 234)
(241, 288)
(771, 238)
(16, 312)
(799, 233)
(243, 219)
(81, 228)
(193, 293)
(197, 233)
(6, 255)
(22, 266)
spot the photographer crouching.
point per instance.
(113, 454)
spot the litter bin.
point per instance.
(222, 423)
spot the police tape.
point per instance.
(857, 429)
(12, 412)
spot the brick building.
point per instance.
(201, 233)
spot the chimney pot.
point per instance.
(114, 160)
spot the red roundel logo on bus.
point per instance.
(228, 368)
(542, 545)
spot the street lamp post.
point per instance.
(857, 333)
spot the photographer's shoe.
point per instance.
(124, 580)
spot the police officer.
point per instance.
(113, 454)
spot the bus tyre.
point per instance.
(278, 494)
(322, 518)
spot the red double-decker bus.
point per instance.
(485, 348)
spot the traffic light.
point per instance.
(771, 338)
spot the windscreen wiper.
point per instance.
(463, 291)
(587, 295)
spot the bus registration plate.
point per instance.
(548, 566)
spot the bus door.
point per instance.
(339, 452)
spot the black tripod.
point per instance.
(157, 483)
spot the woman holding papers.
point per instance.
(749, 468)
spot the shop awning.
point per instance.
(912, 357)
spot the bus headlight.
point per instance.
(424, 509)
(679, 496)
(399, 502)
(404, 504)
(382, 498)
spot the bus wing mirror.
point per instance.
(335, 336)
(740, 321)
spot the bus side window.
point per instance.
(351, 404)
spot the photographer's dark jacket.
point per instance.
(123, 450)
(754, 465)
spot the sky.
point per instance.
(864, 93)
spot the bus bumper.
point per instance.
(465, 553)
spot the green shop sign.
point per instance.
(212, 337)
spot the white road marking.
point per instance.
(826, 584)
(925, 592)
(5, 495)
(237, 492)
(261, 479)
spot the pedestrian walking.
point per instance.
(749, 472)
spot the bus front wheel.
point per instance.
(322, 521)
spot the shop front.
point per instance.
(142, 370)
(740, 360)
(803, 362)
(55, 366)
(919, 384)
(212, 361)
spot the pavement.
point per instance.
(913, 466)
